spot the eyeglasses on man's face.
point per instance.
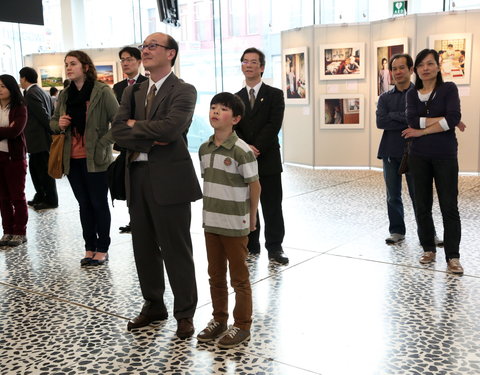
(151, 46)
(128, 60)
(250, 62)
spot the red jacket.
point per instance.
(17, 148)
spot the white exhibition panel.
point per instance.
(307, 142)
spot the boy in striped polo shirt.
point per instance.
(231, 191)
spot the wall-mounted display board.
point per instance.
(107, 72)
(342, 61)
(455, 52)
(342, 111)
(51, 76)
(383, 50)
(295, 78)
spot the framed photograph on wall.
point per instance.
(295, 77)
(383, 50)
(342, 61)
(342, 111)
(107, 72)
(51, 76)
(455, 51)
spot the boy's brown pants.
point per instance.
(220, 250)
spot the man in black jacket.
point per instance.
(38, 137)
(130, 59)
(264, 108)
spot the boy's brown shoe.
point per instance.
(212, 331)
(233, 337)
(455, 267)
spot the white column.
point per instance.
(73, 24)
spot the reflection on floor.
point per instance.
(346, 304)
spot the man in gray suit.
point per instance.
(161, 183)
(38, 137)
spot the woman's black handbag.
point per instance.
(116, 177)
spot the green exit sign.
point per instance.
(399, 8)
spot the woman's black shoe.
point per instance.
(98, 262)
(85, 261)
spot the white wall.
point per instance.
(298, 129)
(98, 56)
(346, 147)
(304, 141)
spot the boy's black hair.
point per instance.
(231, 101)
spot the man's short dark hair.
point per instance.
(408, 59)
(132, 51)
(261, 55)
(53, 91)
(29, 74)
(231, 101)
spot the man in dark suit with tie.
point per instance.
(161, 184)
(264, 108)
(130, 59)
(38, 137)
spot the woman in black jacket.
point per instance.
(433, 112)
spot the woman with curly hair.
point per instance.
(84, 112)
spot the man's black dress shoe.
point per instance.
(278, 256)
(44, 206)
(185, 328)
(144, 320)
(33, 202)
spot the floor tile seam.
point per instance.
(62, 300)
(325, 187)
(399, 265)
(284, 269)
(271, 359)
(319, 252)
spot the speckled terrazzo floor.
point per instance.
(346, 304)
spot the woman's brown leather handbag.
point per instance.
(55, 160)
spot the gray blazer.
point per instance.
(40, 109)
(170, 166)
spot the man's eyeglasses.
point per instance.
(151, 46)
(251, 62)
(128, 60)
